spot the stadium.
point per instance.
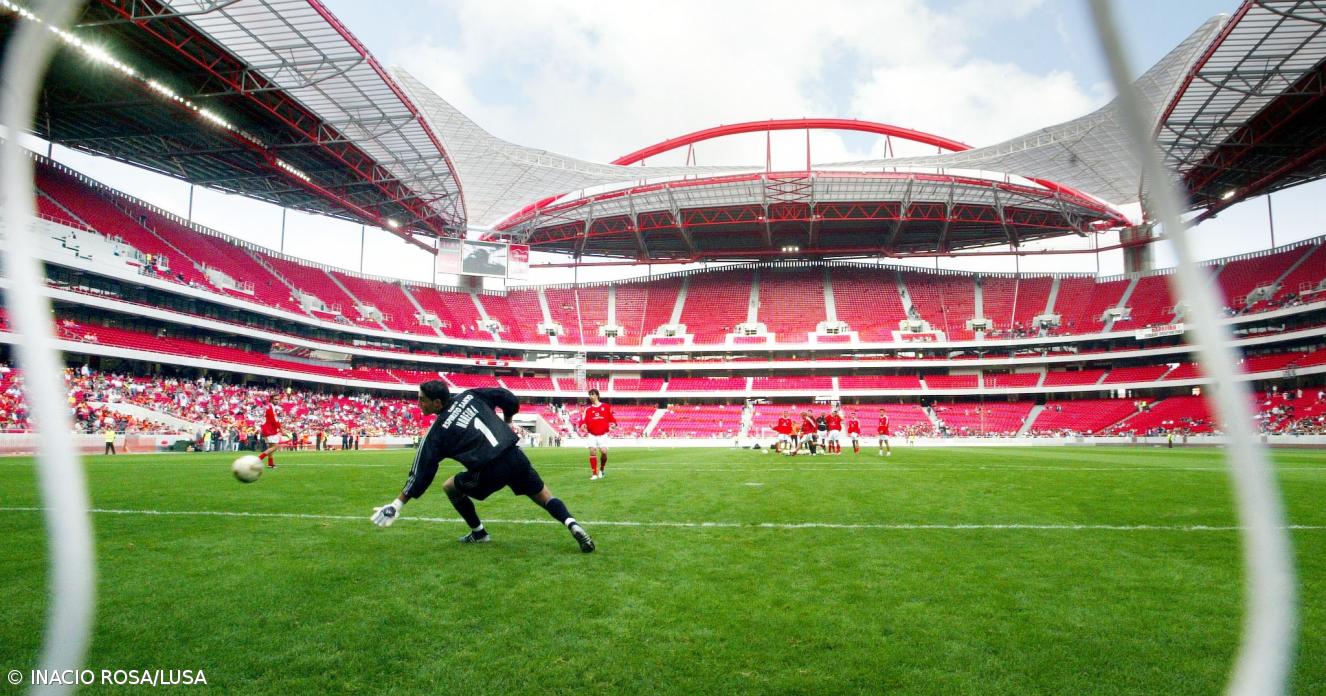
(1049, 513)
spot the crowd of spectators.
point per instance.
(223, 415)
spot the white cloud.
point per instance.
(975, 101)
(597, 80)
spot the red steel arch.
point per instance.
(847, 124)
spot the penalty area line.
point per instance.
(1014, 526)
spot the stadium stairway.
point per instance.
(654, 421)
(544, 312)
(680, 305)
(903, 295)
(978, 302)
(830, 308)
(1054, 296)
(295, 292)
(934, 420)
(353, 298)
(1123, 301)
(143, 413)
(483, 313)
(405, 290)
(1031, 420)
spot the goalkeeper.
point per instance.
(468, 430)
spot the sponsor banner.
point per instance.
(518, 262)
(448, 256)
(485, 259)
(1159, 331)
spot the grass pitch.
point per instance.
(932, 572)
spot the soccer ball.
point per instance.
(247, 468)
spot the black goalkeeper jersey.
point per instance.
(466, 430)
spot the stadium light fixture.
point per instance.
(100, 55)
(1228, 195)
(392, 223)
(292, 169)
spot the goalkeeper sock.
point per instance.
(465, 507)
(557, 509)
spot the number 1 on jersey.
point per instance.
(479, 425)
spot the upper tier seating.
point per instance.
(643, 307)
(909, 382)
(577, 310)
(49, 209)
(804, 385)
(645, 384)
(716, 303)
(1011, 380)
(677, 384)
(1238, 278)
(1151, 303)
(867, 300)
(98, 209)
(1033, 296)
(1145, 373)
(1064, 378)
(517, 384)
(952, 381)
(791, 302)
(790, 299)
(464, 380)
(946, 301)
(1082, 302)
(455, 309)
(997, 298)
(399, 314)
(236, 263)
(519, 313)
(337, 305)
(1309, 274)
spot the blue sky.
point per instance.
(598, 79)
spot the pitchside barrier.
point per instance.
(902, 442)
(148, 443)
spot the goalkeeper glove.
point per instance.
(385, 515)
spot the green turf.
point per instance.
(281, 605)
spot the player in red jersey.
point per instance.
(271, 434)
(784, 430)
(834, 421)
(884, 449)
(597, 421)
(809, 429)
(854, 432)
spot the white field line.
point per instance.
(682, 468)
(692, 525)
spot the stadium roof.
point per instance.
(272, 99)
(1250, 117)
(1262, 64)
(275, 99)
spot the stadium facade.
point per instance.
(277, 100)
